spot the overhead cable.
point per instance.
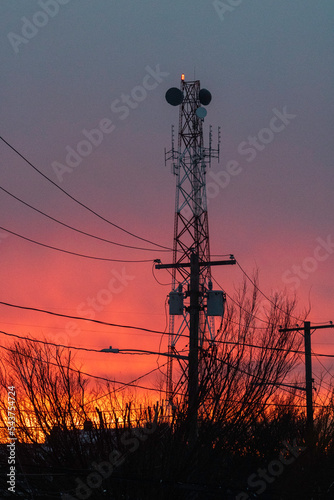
(69, 252)
(76, 229)
(79, 202)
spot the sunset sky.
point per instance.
(69, 67)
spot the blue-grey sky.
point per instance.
(66, 66)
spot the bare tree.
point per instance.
(246, 367)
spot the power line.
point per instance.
(321, 363)
(131, 384)
(134, 408)
(48, 327)
(264, 381)
(164, 333)
(156, 279)
(68, 251)
(119, 389)
(144, 329)
(245, 310)
(91, 320)
(22, 337)
(246, 326)
(235, 302)
(126, 384)
(274, 348)
(323, 382)
(79, 202)
(264, 295)
(80, 318)
(130, 352)
(255, 403)
(259, 347)
(76, 229)
(142, 351)
(105, 379)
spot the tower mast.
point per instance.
(191, 229)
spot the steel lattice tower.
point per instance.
(190, 162)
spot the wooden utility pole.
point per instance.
(193, 347)
(194, 310)
(308, 379)
(308, 374)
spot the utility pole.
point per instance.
(308, 375)
(308, 379)
(194, 309)
(193, 346)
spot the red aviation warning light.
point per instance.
(182, 77)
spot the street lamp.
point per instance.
(112, 350)
(109, 349)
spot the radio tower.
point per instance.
(192, 303)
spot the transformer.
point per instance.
(175, 303)
(215, 303)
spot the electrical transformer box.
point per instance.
(176, 303)
(216, 303)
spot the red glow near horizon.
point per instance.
(127, 294)
(124, 294)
